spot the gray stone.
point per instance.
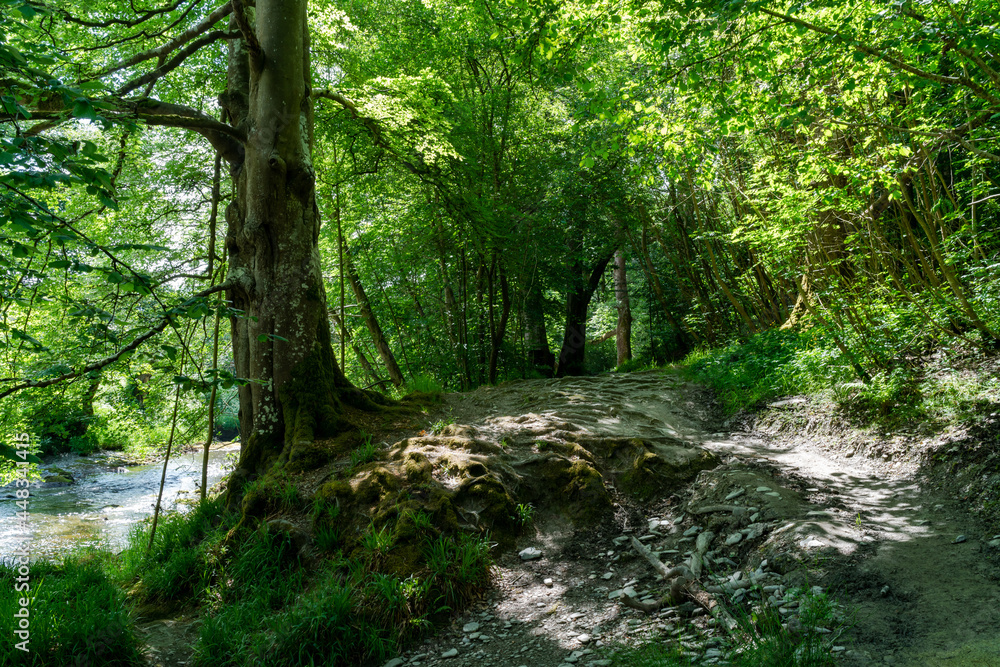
(395, 662)
(733, 539)
(450, 653)
(584, 638)
(959, 539)
(470, 627)
(736, 494)
(531, 553)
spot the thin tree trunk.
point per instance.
(501, 329)
(623, 332)
(368, 315)
(358, 352)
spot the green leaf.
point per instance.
(8, 452)
(83, 109)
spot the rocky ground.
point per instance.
(911, 578)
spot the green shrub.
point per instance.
(768, 365)
(424, 384)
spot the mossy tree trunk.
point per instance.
(281, 341)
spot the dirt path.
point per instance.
(872, 533)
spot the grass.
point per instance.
(263, 606)
(77, 616)
(525, 513)
(768, 365)
(424, 384)
(365, 453)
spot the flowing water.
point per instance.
(102, 504)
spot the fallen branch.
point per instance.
(694, 591)
(682, 583)
(658, 565)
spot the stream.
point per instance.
(103, 503)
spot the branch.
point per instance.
(160, 71)
(180, 40)
(896, 62)
(110, 22)
(374, 128)
(603, 337)
(227, 140)
(239, 13)
(107, 361)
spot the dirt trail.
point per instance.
(878, 537)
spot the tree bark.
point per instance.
(623, 333)
(281, 341)
(572, 355)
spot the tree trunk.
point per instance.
(536, 341)
(571, 357)
(501, 329)
(623, 335)
(281, 341)
(368, 315)
(358, 352)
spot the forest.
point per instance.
(328, 230)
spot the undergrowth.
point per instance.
(264, 605)
(77, 615)
(929, 391)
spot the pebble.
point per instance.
(470, 627)
(959, 539)
(994, 543)
(763, 489)
(693, 530)
(547, 582)
(607, 575)
(450, 653)
(734, 539)
(584, 638)
(736, 494)
(395, 662)
(531, 553)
